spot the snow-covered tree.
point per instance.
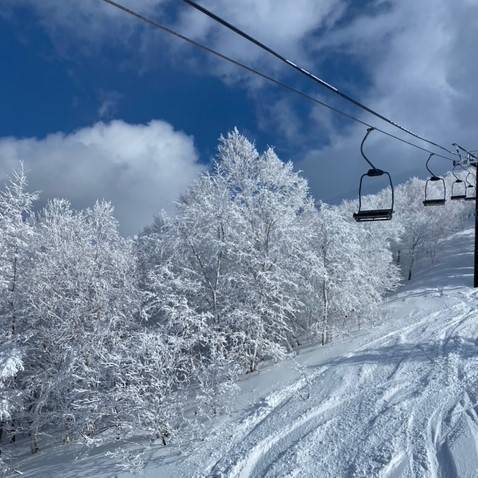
(276, 211)
(10, 396)
(359, 268)
(16, 232)
(105, 338)
(16, 235)
(422, 227)
(82, 293)
(238, 249)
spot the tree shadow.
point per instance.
(412, 352)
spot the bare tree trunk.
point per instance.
(252, 366)
(209, 284)
(34, 442)
(413, 251)
(410, 268)
(325, 311)
(12, 296)
(13, 432)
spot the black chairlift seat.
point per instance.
(434, 179)
(434, 202)
(373, 215)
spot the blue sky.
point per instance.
(43, 91)
(62, 89)
(162, 104)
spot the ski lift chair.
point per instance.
(470, 189)
(440, 201)
(458, 184)
(368, 215)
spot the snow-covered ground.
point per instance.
(398, 400)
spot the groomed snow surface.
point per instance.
(398, 400)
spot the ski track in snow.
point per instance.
(403, 405)
(392, 408)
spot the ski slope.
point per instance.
(398, 400)
(402, 405)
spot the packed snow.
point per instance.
(399, 400)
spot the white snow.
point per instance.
(10, 362)
(399, 400)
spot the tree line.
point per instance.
(105, 337)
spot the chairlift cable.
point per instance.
(469, 153)
(307, 73)
(155, 24)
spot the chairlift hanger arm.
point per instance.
(458, 180)
(458, 162)
(469, 184)
(433, 175)
(466, 170)
(373, 171)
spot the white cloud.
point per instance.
(88, 20)
(140, 168)
(280, 23)
(88, 25)
(419, 60)
(284, 25)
